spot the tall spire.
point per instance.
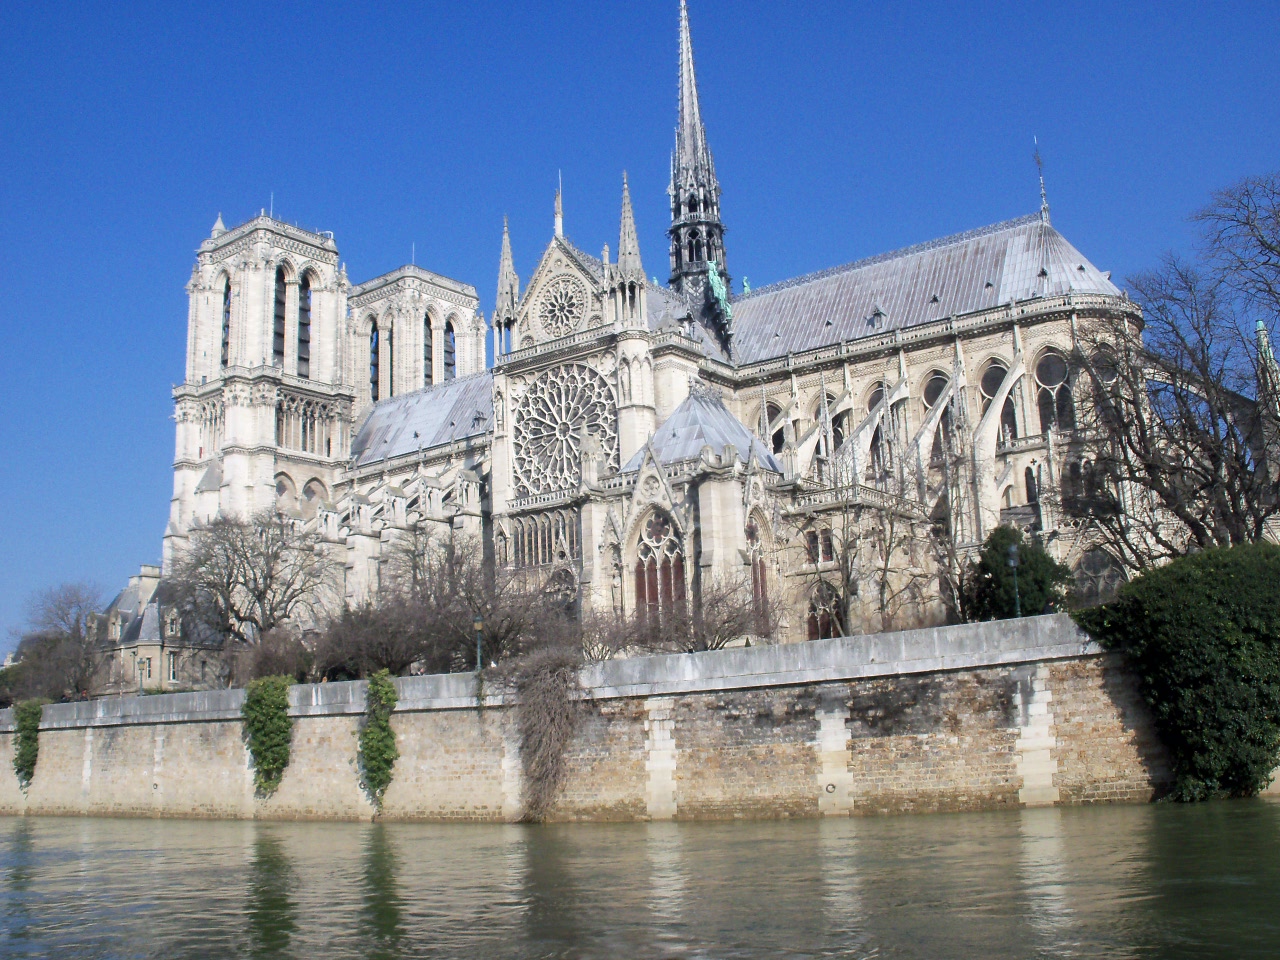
(1044, 197)
(508, 282)
(628, 244)
(697, 235)
(559, 207)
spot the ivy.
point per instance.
(378, 753)
(26, 745)
(269, 729)
(1203, 635)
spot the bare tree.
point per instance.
(243, 578)
(60, 652)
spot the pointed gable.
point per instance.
(703, 420)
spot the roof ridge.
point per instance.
(892, 255)
(488, 371)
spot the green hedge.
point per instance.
(378, 753)
(269, 730)
(1204, 635)
(26, 745)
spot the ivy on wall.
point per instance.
(378, 753)
(269, 730)
(26, 746)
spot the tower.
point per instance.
(627, 297)
(697, 234)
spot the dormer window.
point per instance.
(173, 625)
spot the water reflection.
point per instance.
(1102, 882)
(269, 907)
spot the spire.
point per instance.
(628, 244)
(1044, 197)
(508, 282)
(697, 234)
(559, 208)
(219, 228)
(1269, 371)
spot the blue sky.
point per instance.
(840, 130)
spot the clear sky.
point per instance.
(840, 130)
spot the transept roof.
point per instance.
(431, 417)
(703, 420)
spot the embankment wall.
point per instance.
(978, 716)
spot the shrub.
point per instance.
(1040, 579)
(1204, 635)
(269, 729)
(546, 682)
(26, 745)
(378, 753)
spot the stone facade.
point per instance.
(939, 719)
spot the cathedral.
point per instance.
(633, 443)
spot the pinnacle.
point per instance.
(508, 282)
(628, 243)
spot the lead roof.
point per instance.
(437, 415)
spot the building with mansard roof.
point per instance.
(634, 442)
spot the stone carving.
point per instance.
(560, 406)
(562, 305)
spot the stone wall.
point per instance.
(978, 716)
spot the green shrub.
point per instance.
(990, 593)
(26, 743)
(269, 729)
(1204, 635)
(378, 751)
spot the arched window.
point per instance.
(373, 361)
(277, 334)
(226, 321)
(1053, 398)
(933, 390)
(1033, 490)
(778, 437)
(304, 326)
(660, 597)
(825, 618)
(759, 579)
(389, 344)
(450, 352)
(695, 247)
(428, 353)
(989, 386)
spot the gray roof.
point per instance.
(703, 420)
(453, 410)
(1011, 261)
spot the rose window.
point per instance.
(560, 407)
(563, 305)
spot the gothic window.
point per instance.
(989, 386)
(226, 321)
(545, 538)
(839, 424)
(820, 545)
(1053, 398)
(693, 204)
(450, 352)
(277, 337)
(427, 352)
(562, 587)
(558, 409)
(562, 305)
(777, 437)
(825, 620)
(373, 361)
(759, 578)
(312, 496)
(660, 589)
(304, 326)
(389, 344)
(1033, 492)
(933, 390)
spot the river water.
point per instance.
(1115, 882)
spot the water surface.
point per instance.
(1115, 882)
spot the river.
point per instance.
(1115, 882)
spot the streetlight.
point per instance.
(477, 623)
(1013, 563)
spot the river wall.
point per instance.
(976, 716)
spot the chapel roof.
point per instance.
(1015, 260)
(702, 420)
(436, 415)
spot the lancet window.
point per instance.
(759, 577)
(304, 424)
(210, 415)
(277, 330)
(1053, 398)
(659, 573)
(226, 321)
(373, 361)
(989, 386)
(389, 344)
(545, 538)
(450, 352)
(427, 352)
(934, 387)
(304, 326)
